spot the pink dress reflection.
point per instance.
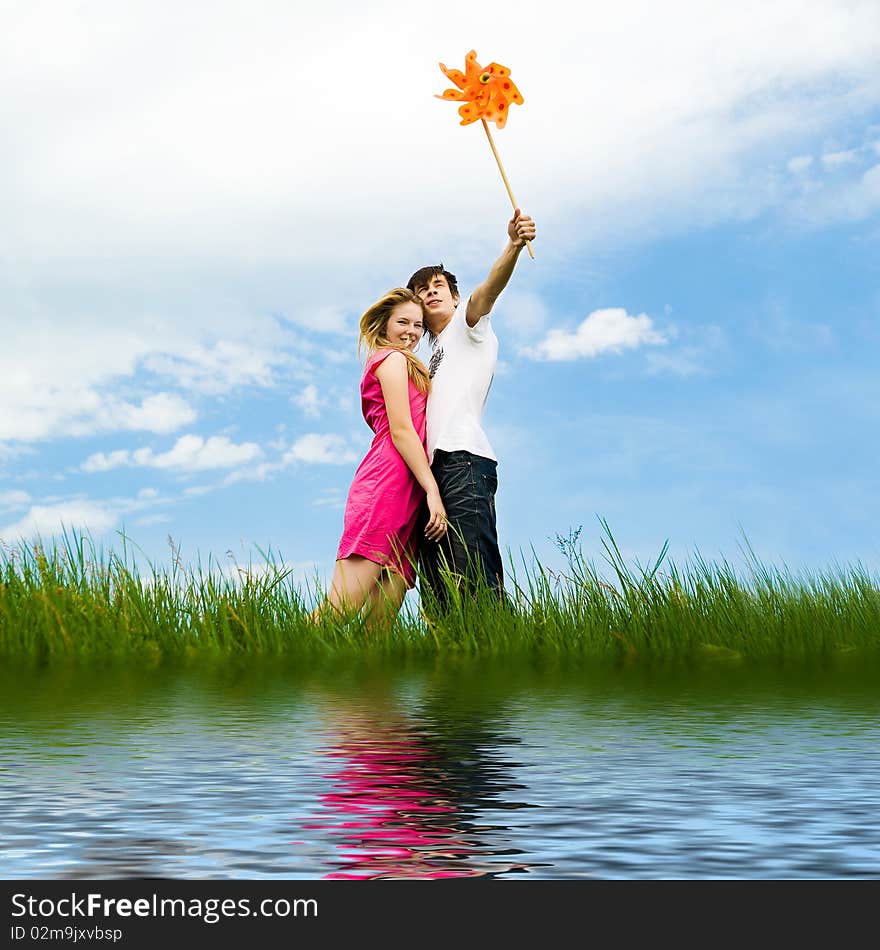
(391, 807)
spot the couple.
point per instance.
(426, 489)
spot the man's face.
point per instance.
(439, 302)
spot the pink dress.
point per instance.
(384, 498)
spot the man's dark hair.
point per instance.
(424, 275)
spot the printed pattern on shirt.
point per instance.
(436, 360)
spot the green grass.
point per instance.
(73, 601)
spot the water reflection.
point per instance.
(447, 770)
(405, 790)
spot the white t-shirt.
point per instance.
(463, 361)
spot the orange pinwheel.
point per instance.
(486, 93)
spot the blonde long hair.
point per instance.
(374, 333)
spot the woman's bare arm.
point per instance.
(393, 378)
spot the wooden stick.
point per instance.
(506, 182)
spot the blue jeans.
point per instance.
(469, 550)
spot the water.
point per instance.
(455, 770)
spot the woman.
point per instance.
(375, 563)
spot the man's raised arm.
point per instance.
(520, 228)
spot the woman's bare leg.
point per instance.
(354, 578)
(384, 600)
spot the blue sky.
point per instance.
(199, 204)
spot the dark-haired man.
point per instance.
(464, 353)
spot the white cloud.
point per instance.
(152, 520)
(311, 449)
(191, 453)
(697, 352)
(55, 515)
(611, 330)
(330, 499)
(105, 461)
(13, 499)
(225, 365)
(871, 186)
(686, 362)
(37, 411)
(160, 413)
(309, 401)
(315, 448)
(800, 163)
(58, 377)
(196, 491)
(187, 161)
(53, 519)
(854, 199)
(319, 318)
(69, 375)
(836, 159)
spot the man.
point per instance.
(464, 353)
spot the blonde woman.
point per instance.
(375, 562)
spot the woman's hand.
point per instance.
(437, 525)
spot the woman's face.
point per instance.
(405, 325)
